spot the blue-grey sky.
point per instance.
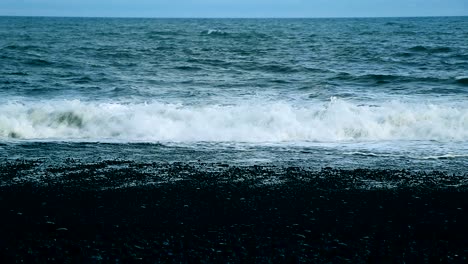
(234, 8)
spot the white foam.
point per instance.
(336, 120)
(371, 154)
(214, 32)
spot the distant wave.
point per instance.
(187, 68)
(337, 120)
(38, 62)
(164, 34)
(445, 156)
(278, 68)
(214, 32)
(371, 154)
(427, 49)
(19, 73)
(463, 80)
(237, 34)
(21, 47)
(386, 78)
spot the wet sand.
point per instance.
(184, 213)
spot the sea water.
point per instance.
(345, 93)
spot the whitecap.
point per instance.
(256, 121)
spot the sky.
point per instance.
(234, 8)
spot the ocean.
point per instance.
(343, 93)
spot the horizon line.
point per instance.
(201, 17)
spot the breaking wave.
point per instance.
(337, 120)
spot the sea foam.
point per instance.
(337, 120)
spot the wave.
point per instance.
(372, 154)
(463, 80)
(18, 73)
(385, 78)
(445, 156)
(38, 62)
(187, 68)
(165, 34)
(278, 68)
(21, 47)
(337, 120)
(427, 49)
(234, 34)
(217, 32)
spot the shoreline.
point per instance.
(216, 212)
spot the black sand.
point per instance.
(119, 211)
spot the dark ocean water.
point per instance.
(375, 92)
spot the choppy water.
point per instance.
(380, 92)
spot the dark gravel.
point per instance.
(122, 211)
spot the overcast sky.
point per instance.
(234, 8)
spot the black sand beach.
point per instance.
(121, 211)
